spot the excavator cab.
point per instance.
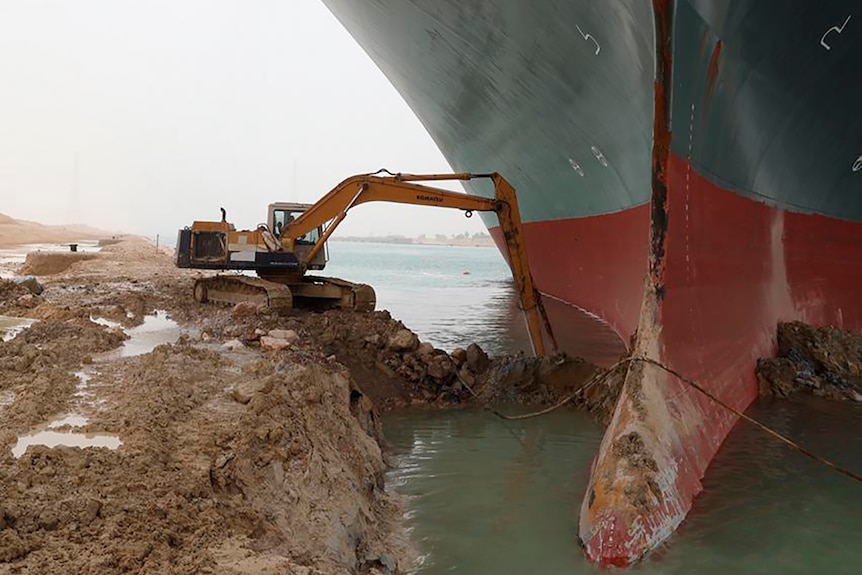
(281, 215)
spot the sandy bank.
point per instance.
(250, 445)
(231, 461)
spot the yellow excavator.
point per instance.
(293, 241)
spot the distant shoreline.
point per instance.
(22, 232)
(483, 241)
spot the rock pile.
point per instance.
(394, 368)
(825, 362)
(17, 295)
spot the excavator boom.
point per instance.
(403, 188)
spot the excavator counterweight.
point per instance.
(293, 241)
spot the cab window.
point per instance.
(284, 217)
(278, 223)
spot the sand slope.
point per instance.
(16, 232)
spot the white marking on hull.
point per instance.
(836, 29)
(688, 273)
(589, 37)
(599, 156)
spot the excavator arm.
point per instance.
(403, 188)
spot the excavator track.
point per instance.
(233, 289)
(353, 296)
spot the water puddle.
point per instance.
(63, 439)
(10, 326)
(10, 261)
(81, 390)
(19, 253)
(47, 436)
(106, 322)
(156, 330)
(85, 398)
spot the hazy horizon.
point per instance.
(144, 117)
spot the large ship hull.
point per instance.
(690, 174)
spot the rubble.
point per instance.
(287, 335)
(476, 358)
(826, 362)
(273, 343)
(31, 283)
(244, 309)
(233, 344)
(403, 340)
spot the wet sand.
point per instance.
(217, 440)
(200, 459)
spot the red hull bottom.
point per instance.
(734, 268)
(591, 272)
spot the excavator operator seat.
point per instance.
(283, 213)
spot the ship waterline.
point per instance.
(689, 175)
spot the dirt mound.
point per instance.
(36, 368)
(10, 294)
(395, 369)
(826, 362)
(208, 474)
(227, 464)
(48, 263)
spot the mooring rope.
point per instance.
(595, 379)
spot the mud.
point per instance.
(13, 297)
(826, 362)
(45, 263)
(642, 490)
(251, 444)
(242, 461)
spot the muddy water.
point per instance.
(494, 497)
(156, 330)
(12, 326)
(57, 438)
(487, 496)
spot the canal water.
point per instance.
(450, 296)
(488, 496)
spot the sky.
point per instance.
(144, 116)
